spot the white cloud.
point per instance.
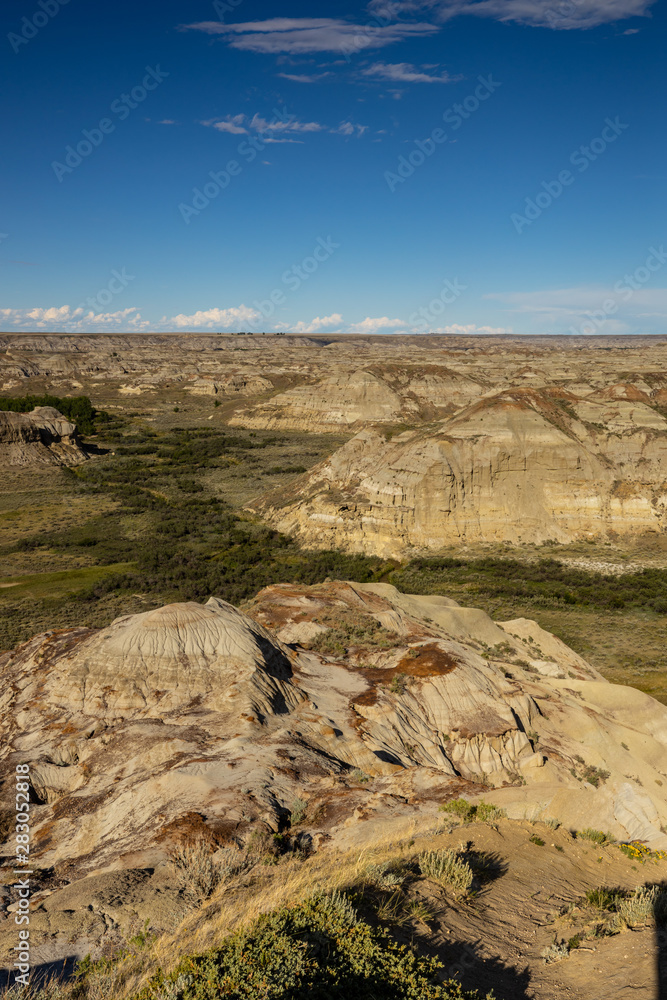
(557, 14)
(260, 124)
(168, 121)
(73, 320)
(405, 73)
(299, 35)
(304, 77)
(373, 324)
(236, 316)
(348, 128)
(232, 124)
(319, 323)
(243, 125)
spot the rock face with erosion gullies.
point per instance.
(42, 437)
(205, 709)
(524, 465)
(351, 400)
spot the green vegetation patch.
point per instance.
(317, 950)
(545, 582)
(78, 409)
(174, 539)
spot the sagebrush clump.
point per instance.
(447, 867)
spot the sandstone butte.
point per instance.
(42, 437)
(522, 465)
(207, 713)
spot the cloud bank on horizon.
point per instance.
(623, 308)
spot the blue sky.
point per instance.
(451, 165)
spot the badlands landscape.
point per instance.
(374, 626)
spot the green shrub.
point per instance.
(298, 811)
(556, 952)
(485, 812)
(448, 868)
(317, 950)
(482, 812)
(602, 899)
(386, 875)
(595, 836)
(459, 807)
(645, 904)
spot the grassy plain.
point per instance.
(157, 515)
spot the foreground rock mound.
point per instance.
(521, 466)
(42, 437)
(343, 710)
(169, 660)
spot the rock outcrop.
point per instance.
(523, 465)
(42, 437)
(204, 709)
(196, 720)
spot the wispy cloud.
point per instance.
(406, 73)
(620, 308)
(232, 124)
(300, 35)
(70, 319)
(554, 14)
(276, 129)
(304, 77)
(349, 128)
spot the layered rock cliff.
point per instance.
(524, 465)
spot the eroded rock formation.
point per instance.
(522, 465)
(42, 437)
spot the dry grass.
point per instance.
(240, 900)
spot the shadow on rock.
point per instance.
(62, 969)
